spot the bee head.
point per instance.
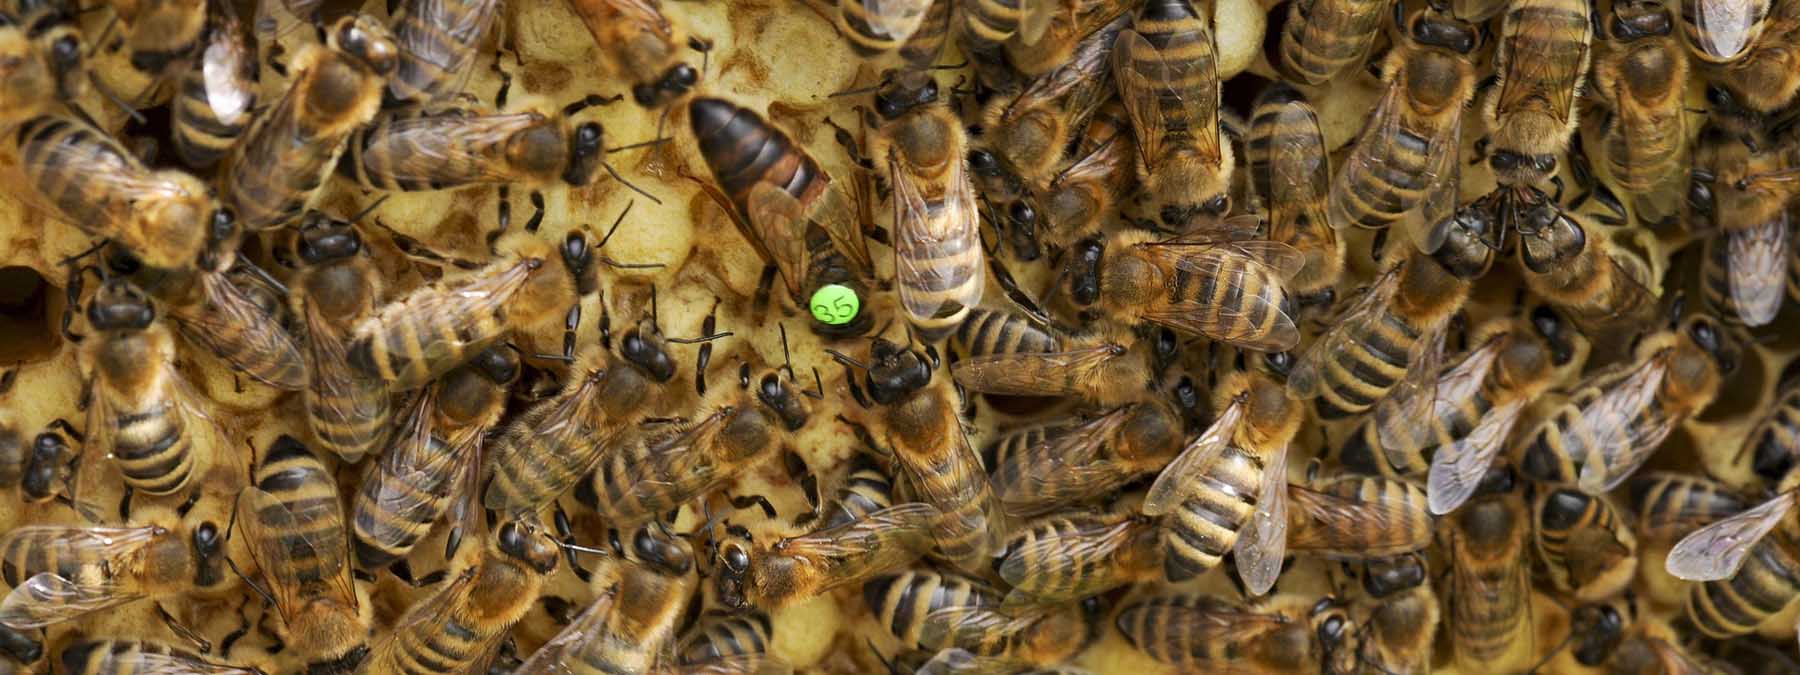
(366, 40)
(499, 364)
(222, 239)
(324, 239)
(644, 347)
(1707, 335)
(1637, 20)
(904, 92)
(734, 567)
(578, 258)
(1466, 252)
(896, 372)
(1387, 576)
(526, 544)
(1181, 217)
(1600, 627)
(1331, 625)
(780, 399)
(586, 154)
(1437, 30)
(1084, 271)
(654, 547)
(209, 555)
(120, 306)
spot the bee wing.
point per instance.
(1458, 468)
(348, 394)
(152, 663)
(836, 214)
(1039, 374)
(415, 458)
(1060, 469)
(1081, 554)
(953, 626)
(92, 463)
(1170, 94)
(1304, 380)
(1398, 416)
(1263, 541)
(1366, 157)
(1173, 484)
(445, 26)
(1758, 260)
(905, 524)
(1457, 384)
(929, 243)
(1548, 70)
(1331, 523)
(555, 656)
(896, 20)
(776, 219)
(1724, 30)
(1083, 81)
(432, 615)
(228, 321)
(1620, 440)
(228, 71)
(47, 599)
(292, 553)
(436, 141)
(1242, 324)
(1717, 551)
(1300, 175)
(676, 457)
(647, 13)
(959, 661)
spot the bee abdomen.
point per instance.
(742, 149)
(986, 332)
(201, 138)
(151, 448)
(991, 21)
(1768, 581)
(900, 602)
(737, 635)
(1199, 533)
(1325, 36)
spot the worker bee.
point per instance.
(1673, 504)
(61, 573)
(1774, 443)
(52, 56)
(1022, 636)
(1761, 79)
(1404, 162)
(796, 568)
(1167, 71)
(1029, 131)
(1357, 517)
(989, 24)
(642, 46)
(928, 38)
(864, 488)
(1641, 75)
(1490, 593)
(276, 169)
(1291, 171)
(1040, 468)
(436, 445)
(1748, 564)
(1650, 645)
(876, 28)
(1542, 59)
(1739, 191)
(1619, 416)
(1722, 31)
(437, 46)
(922, 427)
(1384, 350)
(293, 526)
(1199, 633)
(1403, 620)
(1013, 354)
(901, 602)
(938, 259)
(1078, 199)
(1584, 543)
(641, 598)
(722, 641)
(161, 34)
(1229, 484)
(85, 178)
(1324, 37)
(346, 410)
(99, 657)
(1066, 557)
(50, 465)
(1605, 284)
(215, 97)
(1228, 289)
(786, 207)
(461, 624)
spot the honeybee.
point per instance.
(1722, 31)
(1735, 187)
(641, 597)
(1226, 490)
(85, 178)
(1013, 354)
(1619, 416)
(1650, 645)
(1357, 517)
(1641, 76)
(1076, 202)
(53, 55)
(642, 45)
(874, 28)
(724, 641)
(159, 34)
(1220, 288)
(1167, 71)
(215, 97)
(642, 481)
(1028, 131)
(938, 258)
(796, 568)
(1762, 78)
(49, 464)
(1403, 622)
(26, 78)
(1066, 557)
(99, 657)
(277, 167)
(1291, 170)
(435, 446)
(901, 602)
(922, 426)
(461, 625)
(1015, 636)
(927, 41)
(1384, 350)
(1585, 544)
(1673, 504)
(1404, 161)
(1490, 592)
(1041, 468)
(437, 42)
(785, 206)
(1774, 443)
(1603, 285)
(59, 574)
(1323, 37)
(1199, 633)
(1478, 401)
(988, 24)
(346, 410)
(293, 526)
(1542, 59)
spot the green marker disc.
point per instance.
(835, 304)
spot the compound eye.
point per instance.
(1217, 205)
(206, 539)
(983, 162)
(685, 76)
(737, 560)
(644, 95)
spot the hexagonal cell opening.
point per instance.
(29, 311)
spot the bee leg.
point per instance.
(701, 360)
(561, 611)
(1014, 293)
(759, 304)
(238, 633)
(125, 504)
(566, 530)
(747, 501)
(537, 216)
(415, 250)
(63, 425)
(505, 215)
(505, 82)
(802, 475)
(201, 644)
(188, 504)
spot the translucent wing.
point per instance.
(1717, 551)
(81, 543)
(561, 422)
(839, 217)
(1724, 29)
(422, 458)
(936, 246)
(1304, 380)
(1459, 467)
(1062, 469)
(1263, 541)
(677, 465)
(93, 462)
(1359, 526)
(1544, 72)
(231, 324)
(1299, 173)
(889, 537)
(1171, 90)
(776, 220)
(1400, 416)
(646, 13)
(432, 615)
(1368, 157)
(1459, 383)
(293, 552)
(152, 663)
(553, 658)
(446, 34)
(446, 148)
(341, 392)
(1082, 82)
(1757, 258)
(1175, 482)
(1442, 180)
(1617, 431)
(47, 599)
(736, 664)
(1049, 567)
(1257, 320)
(1138, 94)
(1036, 374)
(228, 73)
(967, 625)
(895, 20)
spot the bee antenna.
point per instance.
(819, 393)
(697, 340)
(589, 101)
(654, 317)
(615, 174)
(578, 548)
(640, 144)
(615, 226)
(370, 208)
(845, 359)
(787, 361)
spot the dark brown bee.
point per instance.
(1741, 192)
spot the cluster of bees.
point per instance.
(1080, 344)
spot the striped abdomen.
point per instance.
(743, 149)
(998, 454)
(394, 510)
(1560, 514)
(201, 137)
(288, 153)
(1488, 596)
(150, 445)
(1776, 437)
(1646, 144)
(412, 341)
(408, 151)
(66, 159)
(1555, 29)
(1362, 451)
(473, 621)
(1055, 559)
(923, 48)
(1766, 584)
(900, 602)
(1181, 43)
(986, 331)
(34, 551)
(127, 657)
(317, 544)
(1199, 532)
(990, 22)
(866, 35)
(719, 637)
(1742, 272)
(865, 490)
(1323, 37)
(556, 443)
(437, 47)
(928, 441)
(1223, 282)
(1679, 503)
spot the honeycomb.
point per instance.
(786, 60)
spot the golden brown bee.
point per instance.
(1015, 637)
(347, 410)
(989, 24)
(796, 568)
(864, 489)
(1013, 354)
(438, 43)
(1291, 171)
(1199, 633)
(1228, 484)
(88, 180)
(52, 33)
(785, 206)
(1672, 504)
(1029, 131)
(1478, 400)
(293, 525)
(1542, 60)
(1622, 414)
(642, 594)
(938, 258)
(1651, 646)
(1324, 37)
(104, 657)
(1605, 284)
(1168, 75)
(921, 425)
(432, 458)
(1384, 350)
(1739, 191)
(1762, 79)
(277, 167)
(874, 28)
(1357, 517)
(1490, 591)
(1587, 546)
(60, 573)
(1402, 622)
(1227, 289)
(160, 34)
(901, 602)
(1066, 557)
(555, 443)
(642, 45)
(1082, 195)
(1641, 76)
(928, 38)
(460, 625)
(1404, 162)
(642, 481)
(1040, 468)
(215, 97)
(1072, 22)
(1722, 31)
(725, 641)
(1774, 443)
